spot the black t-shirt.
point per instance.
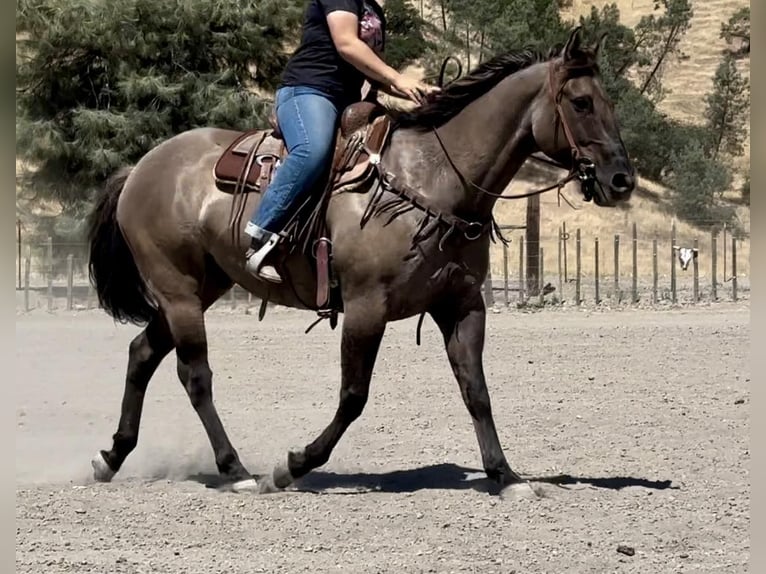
(316, 62)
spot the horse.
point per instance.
(162, 251)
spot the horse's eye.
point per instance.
(582, 104)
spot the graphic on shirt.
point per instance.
(371, 29)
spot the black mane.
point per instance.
(447, 104)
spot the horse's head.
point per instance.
(574, 122)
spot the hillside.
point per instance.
(688, 82)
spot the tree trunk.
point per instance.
(660, 60)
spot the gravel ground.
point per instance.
(646, 411)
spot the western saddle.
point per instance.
(251, 160)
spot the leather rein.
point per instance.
(582, 167)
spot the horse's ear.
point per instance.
(599, 46)
(573, 44)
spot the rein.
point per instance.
(582, 168)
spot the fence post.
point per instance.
(541, 284)
(69, 280)
(595, 262)
(673, 262)
(714, 265)
(564, 238)
(725, 247)
(655, 272)
(489, 297)
(734, 267)
(579, 269)
(27, 268)
(561, 284)
(233, 297)
(696, 270)
(505, 275)
(616, 293)
(49, 268)
(634, 283)
(521, 270)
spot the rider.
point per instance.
(341, 45)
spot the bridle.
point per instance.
(582, 167)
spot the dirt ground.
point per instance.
(648, 411)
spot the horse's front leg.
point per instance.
(362, 333)
(462, 324)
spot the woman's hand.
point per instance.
(412, 89)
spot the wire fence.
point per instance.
(570, 269)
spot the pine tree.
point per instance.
(727, 107)
(736, 33)
(405, 34)
(661, 37)
(100, 82)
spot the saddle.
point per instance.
(250, 162)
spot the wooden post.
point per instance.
(725, 247)
(616, 293)
(561, 284)
(634, 283)
(655, 271)
(49, 268)
(69, 280)
(540, 287)
(18, 240)
(532, 232)
(595, 264)
(521, 269)
(506, 298)
(564, 239)
(579, 269)
(489, 296)
(27, 268)
(696, 270)
(733, 267)
(673, 262)
(714, 266)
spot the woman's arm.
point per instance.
(343, 29)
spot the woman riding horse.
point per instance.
(341, 45)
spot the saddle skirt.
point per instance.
(252, 159)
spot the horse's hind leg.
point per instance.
(462, 325)
(186, 321)
(360, 342)
(145, 353)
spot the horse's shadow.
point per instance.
(439, 477)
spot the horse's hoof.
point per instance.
(101, 470)
(282, 477)
(246, 485)
(519, 491)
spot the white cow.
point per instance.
(685, 255)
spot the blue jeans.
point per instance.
(307, 119)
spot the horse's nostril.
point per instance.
(623, 182)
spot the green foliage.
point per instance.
(697, 181)
(745, 190)
(727, 108)
(405, 39)
(736, 33)
(658, 38)
(102, 82)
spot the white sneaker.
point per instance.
(254, 262)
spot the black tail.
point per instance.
(121, 290)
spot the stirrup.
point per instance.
(254, 262)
